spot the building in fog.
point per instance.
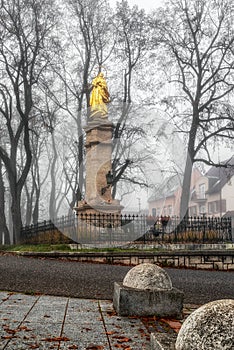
(211, 194)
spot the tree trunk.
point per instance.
(16, 215)
(28, 214)
(185, 195)
(3, 226)
(52, 203)
(81, 168)
(35, 214)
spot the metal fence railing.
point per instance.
(191, 229)
(113, 229)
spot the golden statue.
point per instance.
(99, 97)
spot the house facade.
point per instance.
(211, 194)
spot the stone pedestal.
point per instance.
(98, 160)
(147, 290)
(98, 198)
(134, 302)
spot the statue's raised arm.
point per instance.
(99, 97)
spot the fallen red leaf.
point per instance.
(111, 313)
(141, 330)
(56, 339)
(121, 338)
(121, 346)
(8, 336)
(10, 331)
(24, 328)
(174, 324)
(95, 347)
(124, 340)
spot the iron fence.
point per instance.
(112, 229)
(191, 229)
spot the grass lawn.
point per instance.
(57, 247)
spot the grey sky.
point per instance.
(146, 4)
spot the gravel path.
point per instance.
(86, 280)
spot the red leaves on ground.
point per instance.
(71, 347)
(111, 332)
(10, 331)
(141, 330)
(24, 328)
(95, 347)
(174, 324)
(121, 339)
(8, 336)
(111, 313)
(34, 346)
(124, 340)
(56, 339)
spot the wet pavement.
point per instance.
(49, 322)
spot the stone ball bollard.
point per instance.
(209, 327)
(147, 290)
(147, 276)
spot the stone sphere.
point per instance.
(209, 327)
(147, 276)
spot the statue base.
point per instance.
(112, 207)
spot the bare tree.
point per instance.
(87, 47)
(132, 27)
(132, 41)
(24, 31)
(197, 43)
(38, 174)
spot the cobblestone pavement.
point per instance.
(63, 323)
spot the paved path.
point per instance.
(85, 280)
(62, 323)
(46, 322)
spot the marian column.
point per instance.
(99, 130)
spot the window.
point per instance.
(169, 209)
(212, 207)
(221, 206)
(202, 191)
(202, 209)
(217, 206)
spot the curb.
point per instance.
(162, 341)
